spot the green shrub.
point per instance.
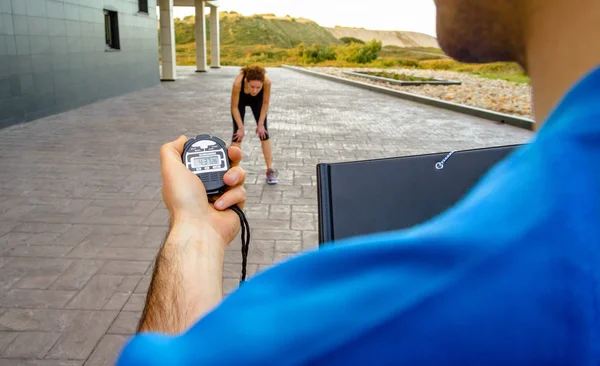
(315, 53)
(359, 53)
(350, 40)
(384, 62)
(440, 64)
(407, 63)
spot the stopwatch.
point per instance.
(206, 156)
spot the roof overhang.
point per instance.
(193, 3)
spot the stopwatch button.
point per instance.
(203, 137)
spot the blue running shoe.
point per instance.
(271, 176)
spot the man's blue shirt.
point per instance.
(509, 276)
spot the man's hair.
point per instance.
(254, 73)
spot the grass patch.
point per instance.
(515, 78)
(412, 53)
(397, 76)
(429, 49)
(497, 70)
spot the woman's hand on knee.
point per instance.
(261, 131)
(239, 135)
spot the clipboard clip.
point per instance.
(440, 164)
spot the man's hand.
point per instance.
(261, 131)
(185, 196)
(239, 135)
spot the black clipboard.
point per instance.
(370, 196)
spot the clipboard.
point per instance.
(369, 196)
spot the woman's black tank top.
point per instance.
(248, 99)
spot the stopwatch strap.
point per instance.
(245, 239)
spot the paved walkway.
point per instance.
(81, 215)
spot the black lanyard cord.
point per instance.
(245, 239)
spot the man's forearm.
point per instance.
(186, 282)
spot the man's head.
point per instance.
(551, 39)
(255, 77)
(478, 31)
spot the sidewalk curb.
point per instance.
(501, 118)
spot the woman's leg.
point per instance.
(266, 149)
(266, 142)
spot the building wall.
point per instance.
(53, 55)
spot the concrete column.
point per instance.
(215, 35)
(167, 40)
(200, 36)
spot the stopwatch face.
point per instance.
(205, 156)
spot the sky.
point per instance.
(404, 15)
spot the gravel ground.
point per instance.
(496, 95)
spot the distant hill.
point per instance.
(262, 29)
(387, 38)
(288, 32)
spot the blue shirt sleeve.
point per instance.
(443, 293)
(510, 276)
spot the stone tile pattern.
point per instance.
(81, 214)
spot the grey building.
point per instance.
(60, 54)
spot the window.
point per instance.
(143, 5)
(111, 30)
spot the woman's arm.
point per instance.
(235, 99)
(266, 100)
